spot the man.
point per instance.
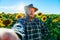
(34, 29)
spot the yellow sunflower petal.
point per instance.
(19, 16)
(6, 22)
(39, 14)
(55, 20)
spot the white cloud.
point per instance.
(14, 8)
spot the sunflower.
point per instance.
(6, 22)
(19, 16)
(39, 15)
(55, 20)
(43, 18)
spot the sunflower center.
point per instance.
(19, 16)
(6, 22)
(44, 18)
(39, 14)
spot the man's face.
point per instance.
(31, 12)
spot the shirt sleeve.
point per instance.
(20, 20)
(19, 27)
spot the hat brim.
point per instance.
(35, 9)
(26, 7)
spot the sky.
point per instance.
(17, 6)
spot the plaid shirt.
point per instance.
(34, 30)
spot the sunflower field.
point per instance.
(51, 20)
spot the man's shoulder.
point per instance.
(21, 20)
(38, 20)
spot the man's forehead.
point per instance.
(31, 8)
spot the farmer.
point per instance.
(34, 29)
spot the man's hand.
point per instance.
(8, 34)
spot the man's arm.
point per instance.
(19, 28)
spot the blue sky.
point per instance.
(44, 6)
